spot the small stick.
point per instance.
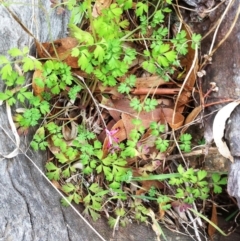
(144, 91)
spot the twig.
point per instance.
(177, 100)
(94, 100)
(211, 150)
(157, 91)
(194, 225)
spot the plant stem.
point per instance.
(89, 9)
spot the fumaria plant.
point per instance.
(65, 110)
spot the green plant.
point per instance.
(185, 142)
(160, 142)
(194, 184)
(190, 185)
(111, 172)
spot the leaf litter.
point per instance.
(109, 115)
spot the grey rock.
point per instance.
(224, 71)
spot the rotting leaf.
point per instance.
(147, 185)
(159, 114)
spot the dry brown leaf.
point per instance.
(145, 117)
(167, 116)
(155, 225)
(128, 114)
(60, 49)
(146, 185)
(36, 89)
(56, 184)
(188, 60)
(214, 219)
(148, 139)
(219, 128)
(110, 90)
(149, 167)
(150, 82)
(99, 6)
(161, 210)
(192, 116)
(114, 113)
(165, 102)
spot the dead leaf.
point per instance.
(115, 114)
(145, 117)
(149, 167)
(219, 128)
(110, 90)
(70, 133)
(167, 115)
(188, 60)
(55, 149)
(146, 186)
(15, 152)
(214, 219)
(161, 210)
(57, 185)
(193, 114)
(155, 225)
(150, 82)
(37, 90)
(99, 6)
(60, 49)
(191, 117)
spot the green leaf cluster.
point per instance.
(113, 168)
(185, 142)
(217, 182)
(197, 184)
(93, 201)
(127, 85)
(141, 213)
(157, 129)
(57, 76)
(73, 195)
